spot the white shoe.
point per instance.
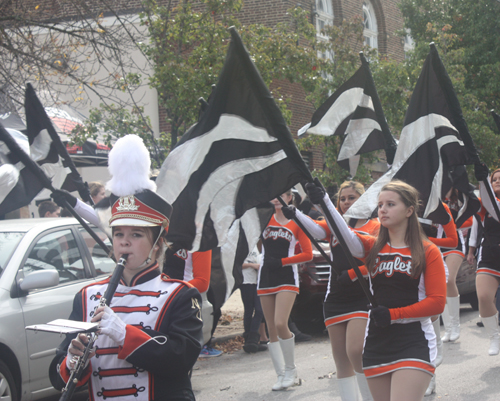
(447, 324)
(439, 343)
(288, 349)
(491, 326)
(454, 308)
(366, 395)
(279, 364)
(348, 388)
(432, 387)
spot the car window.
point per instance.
(59, 251)
(8, 243)
(102, 262)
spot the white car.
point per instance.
(43, 264)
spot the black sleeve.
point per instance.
(173, 350)
(61, 351)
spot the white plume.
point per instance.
(129, 165)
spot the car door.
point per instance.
(56, 249)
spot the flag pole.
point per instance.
(37, 171)
(312, 239)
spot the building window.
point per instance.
(324, 17)
(370, 24)
(409, 45)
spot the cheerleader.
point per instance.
(446, 238)
(278, 285)
(488, 270)
(408, 282)
(345, 307)
(453, 258)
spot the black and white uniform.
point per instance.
(162, 342)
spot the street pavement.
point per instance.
(468, 373)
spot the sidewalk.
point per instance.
(231, 323)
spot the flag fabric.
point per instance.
(227, 260)
(434, 138)
(48, 150)
(468, 202)
(354, 112)
(18, 184)
(238, 156)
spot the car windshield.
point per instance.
(8, 243)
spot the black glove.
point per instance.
(481, 171)
(60, 196)
(272, 262)
(344, 278)
(380, 315)
(315, 191)
(288, 212)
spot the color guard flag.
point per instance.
(238, 156)
(434, 138)
(354, 112)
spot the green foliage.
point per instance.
(466, 34)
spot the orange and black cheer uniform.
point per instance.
(345, 302)
(193, 267)
(409, 342)
(279, 242)
(162, 341)
(460, 249)
(488, 261)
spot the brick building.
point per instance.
(382, 21)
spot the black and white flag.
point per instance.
(434, 138)
(43, 148)
(18, 184)
(354, 112)
(238, 156)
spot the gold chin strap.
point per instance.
(148, 260)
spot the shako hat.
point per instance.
(133, 199)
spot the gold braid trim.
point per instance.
(140, 217)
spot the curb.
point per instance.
(219, 340)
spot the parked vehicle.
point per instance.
(43, 264)
(307, 312)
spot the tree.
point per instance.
(69, 52)
(466, 34)
(188, 44)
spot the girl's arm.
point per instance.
(450, 240)
(310, 225)
(202, 267)
(305, 244)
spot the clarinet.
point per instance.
(81, 361)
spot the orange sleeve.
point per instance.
(202, 267)
(450, 229)
(467, 223)
(435, 290)
(305, 244)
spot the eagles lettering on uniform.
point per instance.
(279, 242)
(343, 303)
(409, 301)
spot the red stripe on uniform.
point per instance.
(454, 252)
(270, 291)
(344, 318)
(389, 368)
(166, 305)
(134, 338)
(485, 270)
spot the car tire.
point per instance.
(8, 390)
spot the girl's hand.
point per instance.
(110, 324)
(470, 258)
(76, 349)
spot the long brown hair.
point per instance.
(492, 175)
(356, 186)
(414, 236)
